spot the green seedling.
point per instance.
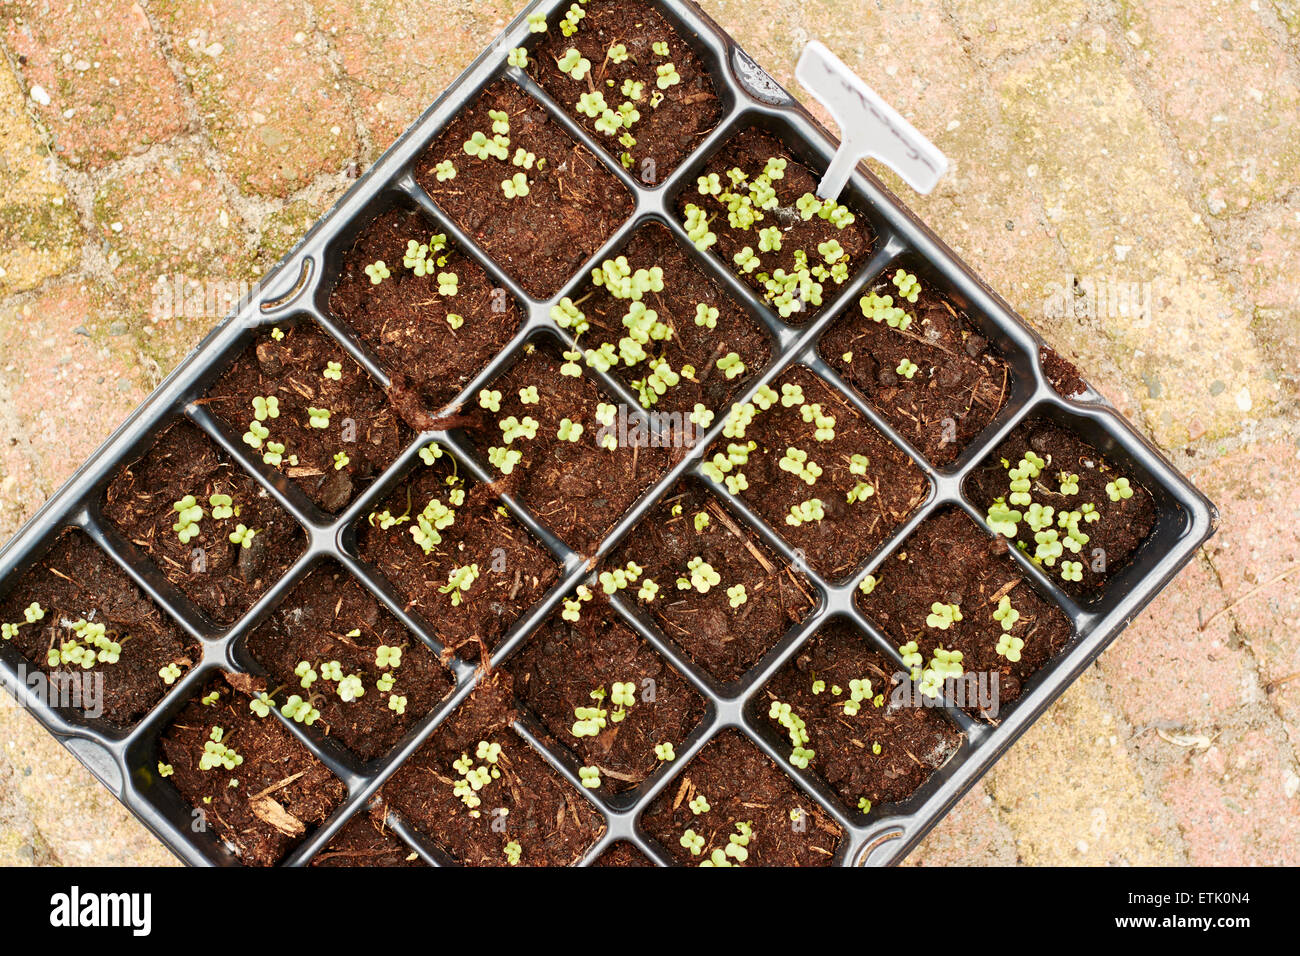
(1010, 647)
(589, 777)
(1119, 489)
(665, 752)
(806, 511)
(943, 616)
(1005, 614)
(460, 580)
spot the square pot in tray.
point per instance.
(583, 489)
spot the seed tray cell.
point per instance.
(298, 293)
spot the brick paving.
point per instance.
(1146, 142)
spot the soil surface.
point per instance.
(1063, 375)
(75, 581)
(552, 824)
(951, 560)
(686, 286)
(365, 841)
(574, 204)
(671, 122)
(623, 853)
(849, 532)
(913, 741)
(268, 803)
(576, 488)
(221, 578)
(564, 663)
(749, 152)
(958, 388)
(1117, 534)
(330, 617)
(403, 320)
(514, 569)
(724, 641)
(361, 425)
(742, 785)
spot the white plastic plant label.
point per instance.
(869, 127)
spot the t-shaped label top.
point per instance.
(868, 126)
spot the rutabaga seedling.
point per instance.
(806, 511)
(823, 424)
(943, 616)
(797, 731)
(699, 804)
(1005, 614)
(300, 711)
(243, 536)
(217, 754)
(702, 576)
(908, 287)
(574, 64)
(590, 777)
(1010, 647)
(459, 580)
(1119, 489)
(665, 752)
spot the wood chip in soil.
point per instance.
(330, 617)
(565, 662)
(267, 804)
(221, 578)
(75, 581)
(514, 569)
(951, 560)
(527, 804)
(725, 641)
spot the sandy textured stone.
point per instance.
(1106, 180)
(395, 65)
(110, 91)
(53, 811)
(1226, 89)
(1071, 795)
(174, 243)
(265, 88)
(1237, 802)
(1166, 672)
(971, 835)
(38, 226)
(60, 354)
(1008, 27)
(1252, 552)
(1267, 250)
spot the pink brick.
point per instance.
(265, 88)
(110, 91)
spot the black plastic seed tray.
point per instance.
(298, 289)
